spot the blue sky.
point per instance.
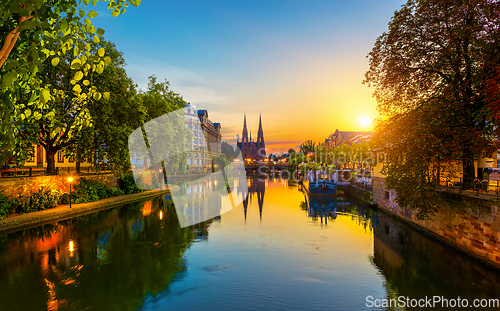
(299, 63)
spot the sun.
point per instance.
(365, 121)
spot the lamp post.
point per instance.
(70, 179)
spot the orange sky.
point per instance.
(298, 63)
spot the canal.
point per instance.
(278, 251)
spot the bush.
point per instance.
(42, 199)
(127, 184)
(5, 205)
(91, 191)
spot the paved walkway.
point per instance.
(482, 194)
(63, 211)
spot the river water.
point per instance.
(277, 251)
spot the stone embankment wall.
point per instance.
(18, 185)
(467, 223)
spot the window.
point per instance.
(189, 154)
(60, 157)
(189, 161)
(32, 157)
(195, 154)
(195, 161)
(387, 195)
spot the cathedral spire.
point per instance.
(260, 133)
(244, 135)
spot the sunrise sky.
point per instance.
(298, 63)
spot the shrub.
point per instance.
(91, 191)
(42, 199)
(5, 205)
(127, 184)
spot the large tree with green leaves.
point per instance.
(435, 61)
(27, 27)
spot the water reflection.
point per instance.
(257, 187)
(108, 260)
(262, 255)
(416, 266)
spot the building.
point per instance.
(206, 141)
(345, 137)
(62, 163)
(252, 150)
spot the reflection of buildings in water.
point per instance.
(201, 200)
(255, 186)
(416, 265)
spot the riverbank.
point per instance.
(63, 211)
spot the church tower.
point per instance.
(254, 150)
(260, 139)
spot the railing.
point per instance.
(478, 187)
(366, 186)
(41, 171)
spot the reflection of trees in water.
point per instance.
(107, 260)
(415, 265)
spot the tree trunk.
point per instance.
(468, 170)
(51, 163)
(77, 163)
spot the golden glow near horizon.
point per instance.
(365, 121)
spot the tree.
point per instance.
(307, 146)
(169, 137)
(27, 25)
(434, 61)
(228, 150)
(113, 119)
(68, 81)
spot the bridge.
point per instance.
(265, 168)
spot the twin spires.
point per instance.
(254, 150)
(260, 133)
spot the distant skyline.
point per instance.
(298, 63)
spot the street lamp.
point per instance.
(70, 179)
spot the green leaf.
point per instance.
(8, 78)
(77, 88)
(81, 12)
(86, 2)
(96, 39)
(38, 4)
(100, 32)
(44, 96)
(123, 11)
(92, 14)
(76, 64)
(136, 3)
(55, 61)
(26, 25)
(115, 12)
(97, 96)
(78, 76)
(86, 82)
(87, 21)
(27, 112)
(101, 52)
(94, 2)
(105, 95)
